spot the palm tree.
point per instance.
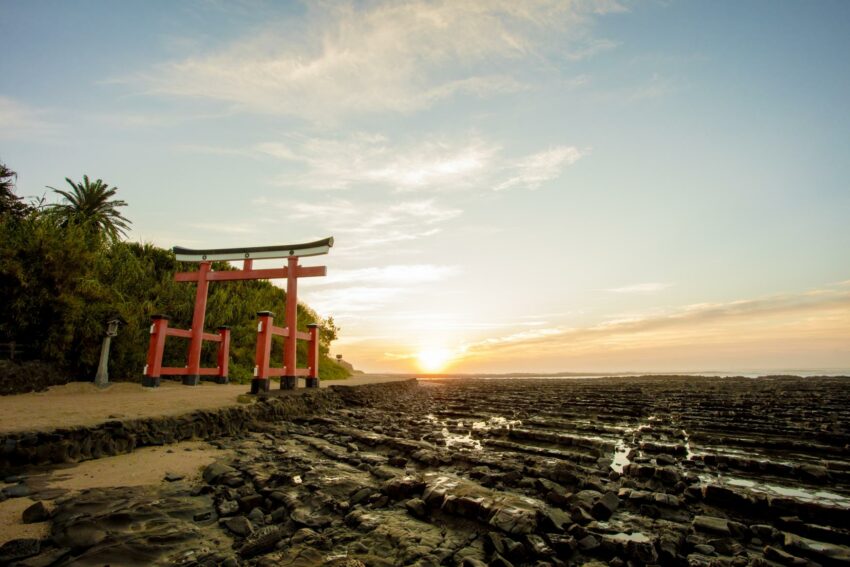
(89, 203)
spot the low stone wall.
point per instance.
(76, 444)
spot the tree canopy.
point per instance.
(91, 204)
(60, 287)
(10, 204)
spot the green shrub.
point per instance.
(60, 284)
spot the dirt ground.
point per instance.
(11, 526)
(146, 466)
(81, 403)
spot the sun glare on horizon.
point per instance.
(432, 360)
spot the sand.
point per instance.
(81, 403)
(11, 526)
(146, 466)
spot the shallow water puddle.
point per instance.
(806, 495)
(456, 440)
(621, 457)
(623, 449)
(749, 453)
(689, 452)
(637, 537)
(461, 440)
(496, 422)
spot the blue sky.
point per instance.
(589, 185)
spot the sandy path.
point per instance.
(81, 403)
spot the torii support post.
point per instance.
(260, 383)
(193, 376)
(312, 380)
(153, 368)
(290, 344)
(223, 356)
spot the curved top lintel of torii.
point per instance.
(315, 248)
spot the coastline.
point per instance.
(658, 470)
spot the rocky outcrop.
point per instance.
(476, 472)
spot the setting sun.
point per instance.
(433, 359)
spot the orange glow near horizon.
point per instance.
(431, 360)
(809, 330)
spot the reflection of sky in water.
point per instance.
(748, 453)
(465, 440)
(495, 422)
(634, 536)
(458, 440)
(689, 452)
(622, 449)
(804, 494)
(621, 456)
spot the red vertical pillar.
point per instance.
(193, 376)
(313, 356)
(153, 368)
(260, 383)
(223, 354)
(290, 346)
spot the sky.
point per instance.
(541, 186)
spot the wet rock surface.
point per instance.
(625, 471)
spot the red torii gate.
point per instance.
(290, 372)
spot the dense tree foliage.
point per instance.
(60, 282)
(10, 204)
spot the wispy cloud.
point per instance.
(350, 214)
(393, 275)
(343, 58)
(641, 287)
(366, 224)
(227, 227)
(353, 293)
(143, 120)
(374, 160)
(532, 171)
(640, 89)
(355, 299)
(19, 120)
(364, 160)
(785, 318)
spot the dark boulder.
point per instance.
(38, 512)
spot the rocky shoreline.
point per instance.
(610, 471)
